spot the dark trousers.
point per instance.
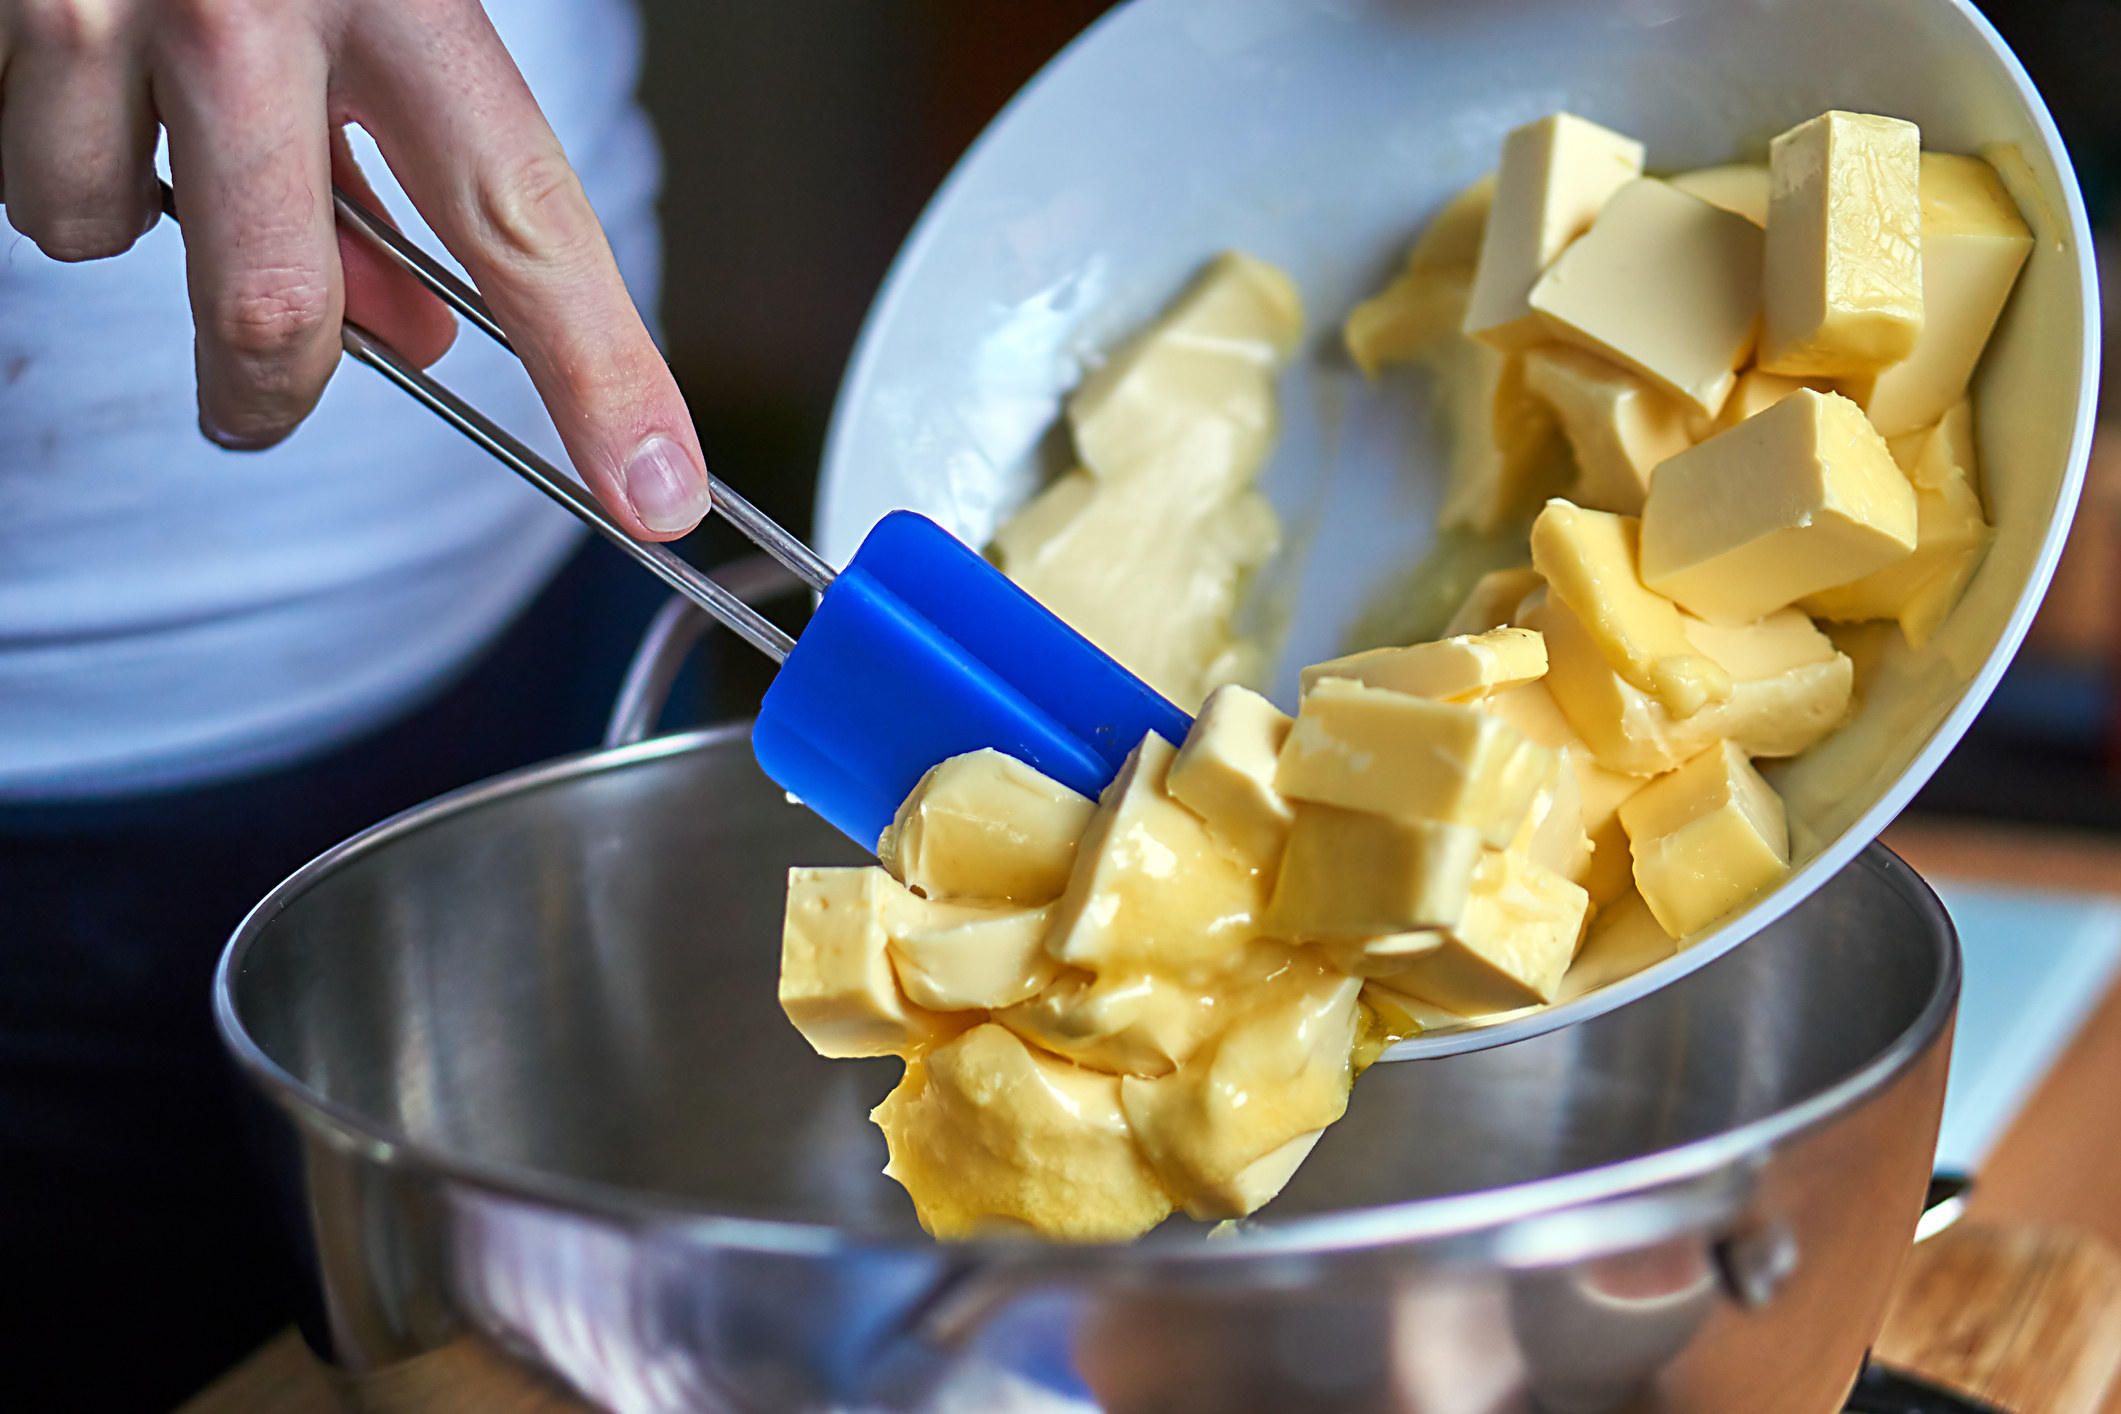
(137, 1256)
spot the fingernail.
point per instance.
(668, 493)
(231, 441)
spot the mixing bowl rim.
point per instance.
(1455, 1218)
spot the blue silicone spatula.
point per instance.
(918, 651)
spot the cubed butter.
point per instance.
(1357, 874)
(1506, 451)
(1664, 284)
(1150, 887)
(1844, 246)
(1618, 424)
(1457, 669)
(1553, 835)
(1623, 939)
(1707, 839)
(1510, 949)
(1493, 600)
(1224, 773)
(1123, 1022)
(1556, 175)
(1532, 710)
(1426, 301)
(986, 826)
(1951, 537)
(1738, 187)
(837, 983)
(969, 956)
(1218, 1130)
(1754, 393)
(1589, 560)
(1367, 748)
(1797, 499)
(1973, 245)
(987, 1134)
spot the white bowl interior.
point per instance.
(1321, 134)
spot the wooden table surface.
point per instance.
(2054, 1176)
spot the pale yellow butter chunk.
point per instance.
(1150, 886)
(1740, 188)
(1754, 393)
(969, 956)
(1707, 839)
(1973, 245)
(1797, 499)
(1367, 748)
(986, 826)
(837, 983)
(1664, 284)
(1844, 257)
(1219, 1130)
(1425, 303)
(1589, 559)
(1618, 424)
(1623, 939)
(1553, 836)
(988, 1135)
(1126, 1023)
(1455, 669)
(1224, 773)
(1357, 874)
(1511, 948)
(1506, 450)
(1951, 537)
(1556, 175)
(1493, 600)
(1532, 710)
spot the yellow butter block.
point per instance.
(1738, 187)
(1506, 450)
(1219, 1130)
(986, 826)
(968, 956)
(1797, 499)
(837, 983)
(1664, 284)
(1618, 425)
(1623, 939)
(1356, 874)
(1493, 600)
(1553, 836)
(1511, 948)
(1224, 773)
(1532, 710)
(1150, 887)
(1844, 246)
(1366, 748)
(1589, 561)
(1707, 839)
(989, 1136)
(1426, 302)
(1973, 245)
(1556, 175)
(1951, 537)
(1124, 1022)
(1754, 393)
(1456, 669)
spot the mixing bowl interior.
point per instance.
(570, 975)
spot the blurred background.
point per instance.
(801, 138)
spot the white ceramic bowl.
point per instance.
(1321, 134)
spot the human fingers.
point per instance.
(380, 296)
(466, 140)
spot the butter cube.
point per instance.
(1520, 929)
(837, 983)
(1844, 246)
(1224, 773)
(1356, 874)
(1663, 284)
(1150, 887)
(1755, 393)
(1366, 748)
(1973, 245)
(1589, 561)
(968, 956)
(1951, 537)
(1506, 450)
(1618, 425)
(1556, 176)
(1425, 303)
(1121, 1022)
(1707, 838)
(1493, 600)
(986, 1135)
(1220, 1130)
(1532, 710)
(1797, 499)
(1738, 187)
(984, 825)
(1457, 669)
(1553, 836)
(1622, 940)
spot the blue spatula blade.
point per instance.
(921, 651)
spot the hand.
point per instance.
(254, 95)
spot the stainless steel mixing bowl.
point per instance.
(553, 1146)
